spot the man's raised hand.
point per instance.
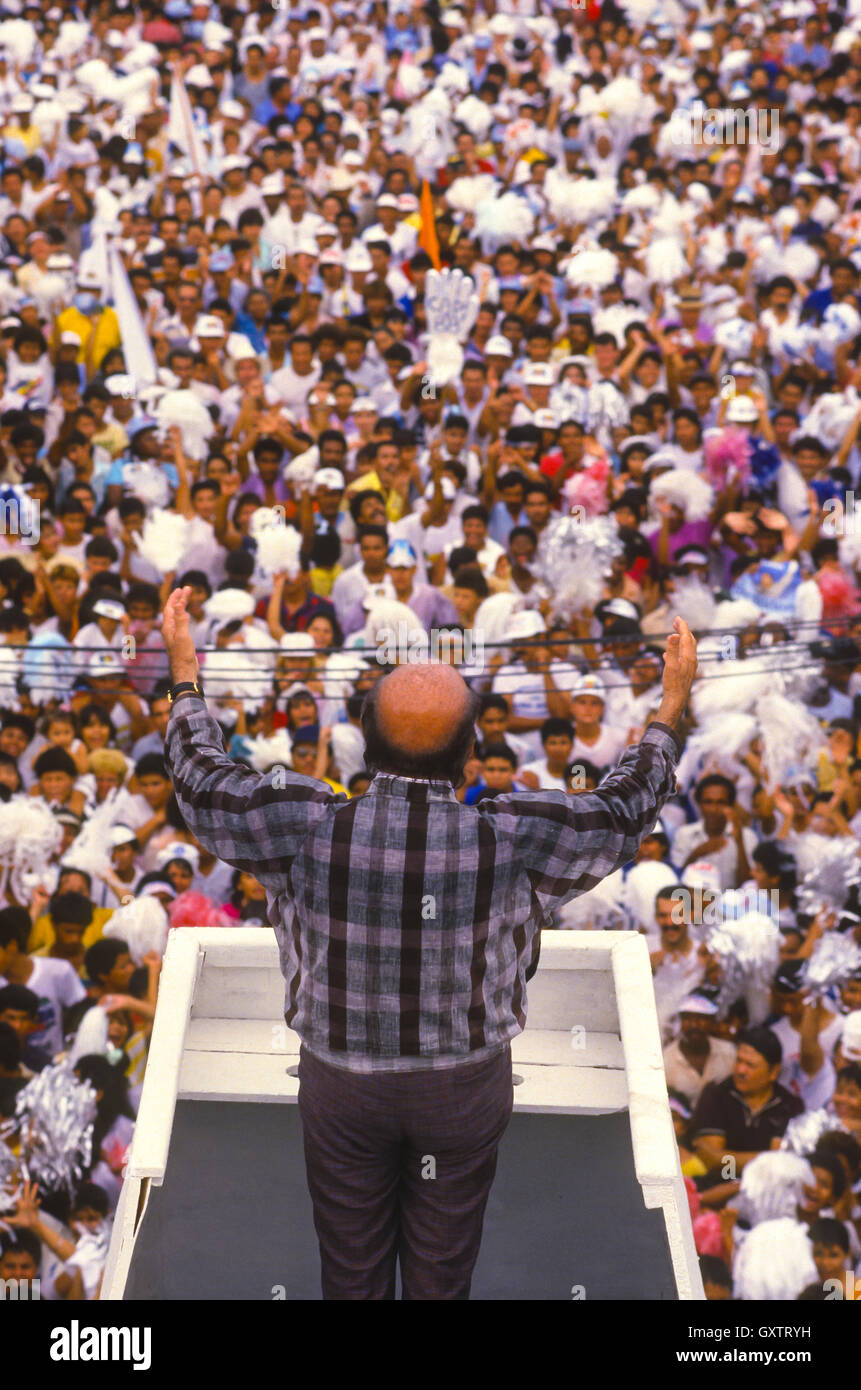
(176, 631)
(680, 667)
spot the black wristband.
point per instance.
(184, 688)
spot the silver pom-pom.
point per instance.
(575, 560)
(802, 1134)
(10, 1170)
(772, 1185)
(748, 950)
(833, 960)
(825, 887)
(54, 1114)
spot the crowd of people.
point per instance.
(232, 240)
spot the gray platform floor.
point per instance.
(233, 1218)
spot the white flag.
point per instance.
(137, 349)
(181, 130)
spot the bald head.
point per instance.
(418, 722)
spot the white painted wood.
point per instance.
(219, 1034)
(179, 975)
(131, 1207)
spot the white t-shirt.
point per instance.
(528, 695)
(58, 986)
(546, 781)
(604, 752)
(816, 1090)
(687, 837)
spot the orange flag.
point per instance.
(427, 236)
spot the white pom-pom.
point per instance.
(664, 261)
(467, 194)
(642, 886)
(772, 1186)
(300, 470)
(695, 602)
(644, 198)
(592, 269)
(499, 220)
(275, 751)
(792, 738)
(476, 115)
(229, 606)
(616, 319)
(775, 1263)
(148, 483)
(163, 540)
(685, 489)
(54, 1114)
(231, 675)
(142, 924)
(575, 558)
(30, 835)
(279, 550)
(800, 261)
(90, 850)
(187, 410)
(748, 949)
(91, 1039)
(835, 958)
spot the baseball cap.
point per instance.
(70, 339)
(590, 685)
(220, 261)
(208, 326)
(523, 625)
(331, 478)
(88, 280)
(387, 200)
(401, 554)
(104, 664)
(698, 1004)
(366, 405)
(121, 835)
(539, 374)
(499, 346)
(234, 161)
(109, 608)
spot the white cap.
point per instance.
(326, 229)
(88, 280)
(331, 478)
(109, 608)
(69, 339)
(590, 685)
(365, 404)
(317, 32)
(232, 110)
(546, 419)
(178, 849)
(523, 625)
(272, 185)
(359, 258)
(539, 374)
(104, 664)
(22, 102)
(499, 346)
(234, 161)
(387, 200)
(121, 835)
(208, 326)
(198, 76)
(331, 257)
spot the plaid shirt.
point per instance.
(406, 921)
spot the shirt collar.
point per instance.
(411, 788)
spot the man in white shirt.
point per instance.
(719, 835)
(292, 382)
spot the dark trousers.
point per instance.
(400, 1166)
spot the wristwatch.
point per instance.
(184, 688)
